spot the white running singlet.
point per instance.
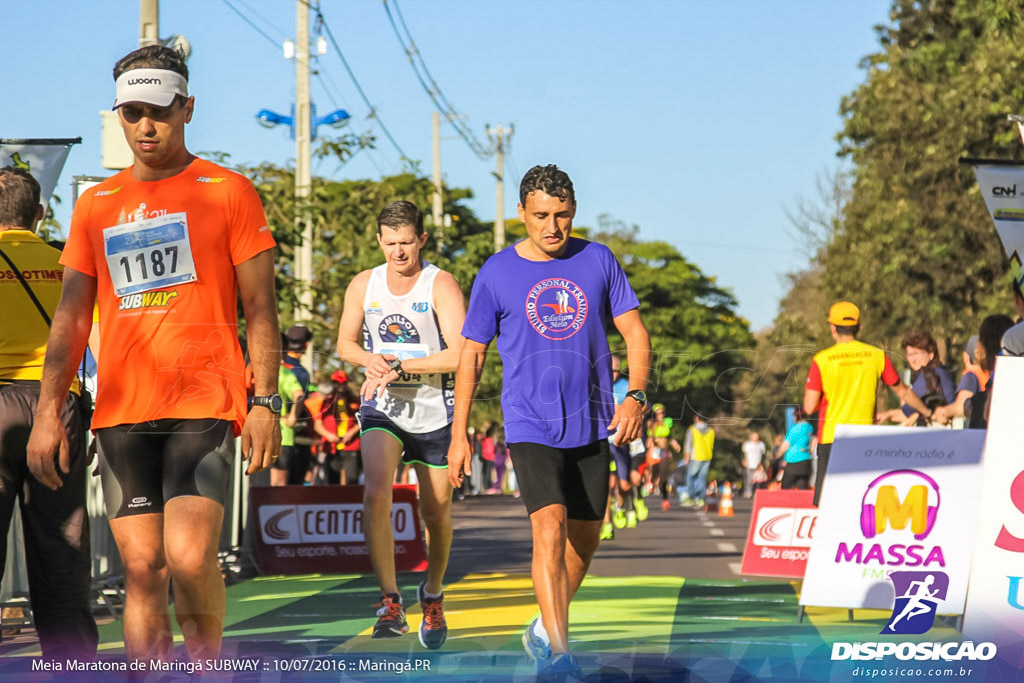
(407, 327)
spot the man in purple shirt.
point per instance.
(547, 299)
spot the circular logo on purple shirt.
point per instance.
(556, 308)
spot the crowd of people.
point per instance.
(158, 256)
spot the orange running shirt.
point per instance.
(847, 376)
(164, 254)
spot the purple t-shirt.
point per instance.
(551, 318)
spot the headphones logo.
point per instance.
(889, 509)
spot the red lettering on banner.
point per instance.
(1005, 540)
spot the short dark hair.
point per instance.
(19, 198)
(919, 339)
(990, 338)
(401, 213)
(548, 179)
(851, 330)
(152, 57)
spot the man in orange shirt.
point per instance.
(843, 383)
(166, 247)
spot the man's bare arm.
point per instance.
(69, 333)
(628, 418)
(261, 434)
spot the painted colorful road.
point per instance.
(656, 622)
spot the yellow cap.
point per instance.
(658, 406)
(844, 313)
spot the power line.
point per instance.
(355, 81)
(433, 90)
(254, 26)
(266, 21)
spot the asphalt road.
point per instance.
(492, 535)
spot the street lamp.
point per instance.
(335, 119)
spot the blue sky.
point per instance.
(698, 121)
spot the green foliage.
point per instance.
(699, 342)
(915, 247)
(692, 321)
(909, 240)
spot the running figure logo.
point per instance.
(556, 308)
(918, 595)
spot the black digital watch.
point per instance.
(274, 403)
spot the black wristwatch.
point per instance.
(396, 365)
(638, 395)
(274, 403)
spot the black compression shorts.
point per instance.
(145, 465)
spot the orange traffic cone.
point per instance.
(725, 505)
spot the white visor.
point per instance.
(158, 87)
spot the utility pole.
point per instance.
(438, 212)
(303, 180)
(149, 22)
(499, 135)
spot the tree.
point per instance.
(916, 248)
(700, 343)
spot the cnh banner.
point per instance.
(781, 530)
(995, 599)
(1002, 186)
(319, 529)
(894, 500)
(43, 158)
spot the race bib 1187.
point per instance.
(149, 254)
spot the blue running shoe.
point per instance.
(561, 667)
(535, 646)
(433, 628)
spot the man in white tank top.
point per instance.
(402, 321)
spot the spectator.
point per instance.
(843, 382)
(797, 450)
(974, 380)
(930, 381)
(753, 456)
(487, 454)
(291, 466)
(990, 336)
(698, 449)
(54, 519)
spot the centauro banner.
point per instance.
(1002, 186)
(43, 158)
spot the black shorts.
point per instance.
(574, 477)
(824, 452)
(294, 460)
(143, 466)
(637, 461)
(428, 448)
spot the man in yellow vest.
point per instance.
(843, 383)
(54, 519)
(697, 451)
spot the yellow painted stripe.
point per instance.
(485, 613)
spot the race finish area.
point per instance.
(662, 602)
